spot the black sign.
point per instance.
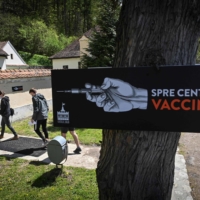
(17, 88)
(142, 98)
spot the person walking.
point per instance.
(5, 113)
(40, 115)
(74, 135)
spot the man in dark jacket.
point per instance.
(5, 113)
(40, 114)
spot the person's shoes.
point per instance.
(44, 143)
(77, 150)
(15, 138)
(1, 136)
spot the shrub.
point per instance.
(35, 60)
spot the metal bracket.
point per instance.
(61, 166)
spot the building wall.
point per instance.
(84, 42)
(17, 60)
(17, 67)
(2, 62)
(22, 101)
(71, 62)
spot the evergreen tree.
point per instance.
(101, 47)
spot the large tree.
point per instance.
(139, 165)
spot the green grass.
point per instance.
(86, 136)
(33, 180)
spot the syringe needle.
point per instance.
(85, 90)
(82, 91)
(65, 91)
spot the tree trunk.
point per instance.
(139, 165)
(58, 10)
(65, 16)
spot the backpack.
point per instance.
(43, 104)
(12, 111)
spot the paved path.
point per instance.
(89, 158)
(181, 189)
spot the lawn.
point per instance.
(86, 136)
(33, 180)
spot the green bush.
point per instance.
(38, 38)
(35, 60)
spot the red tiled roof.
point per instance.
(24, 73)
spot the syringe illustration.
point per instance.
(82, 90)
(94, 90)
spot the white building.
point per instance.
(70, 57)
(9, 57)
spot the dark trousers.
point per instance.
(6, 122)
(44, 129)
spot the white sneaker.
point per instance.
(44, 143)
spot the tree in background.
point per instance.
(198, 56)
(36, 37)
(35, 60)
(57, 20)
(101, 48)
(69, 17)
(9, 28)
(139, 165)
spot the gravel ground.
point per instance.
(189, 145)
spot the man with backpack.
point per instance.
(40, 115)
(5, 112)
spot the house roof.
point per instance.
(24, 73)
(73, 50)
(88, 34)
(2, 44)
(2, 52)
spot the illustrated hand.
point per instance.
(118, 96)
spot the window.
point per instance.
(65, 66)
(79, 65)
(11, 56)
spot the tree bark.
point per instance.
(139, 165)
